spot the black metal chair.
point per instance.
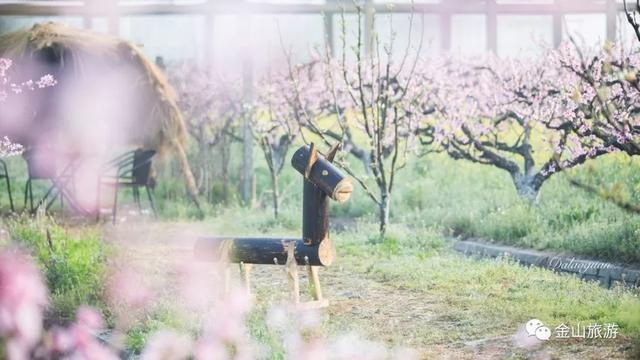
(4, 173)
(129, 170)
(39, 168)
(59, 168)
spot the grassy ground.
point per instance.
(73, 261)
(418, 294)
(408, 288)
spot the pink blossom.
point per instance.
(9, 148)
(167, 345)
(6, 85)
(78, 341)
(225, 327)
(8, 90)
(89, 318)
(198, 287)
(46, 81)
(23, 297)
(127, 287)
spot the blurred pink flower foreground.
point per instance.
(23, 297)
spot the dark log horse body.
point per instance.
(322, 181)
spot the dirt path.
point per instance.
(376, 309)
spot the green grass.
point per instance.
(73, 261)
(268, 338)
(470, 200)
(162, 317)
(469, 298)
(473, 298)
(489, 293)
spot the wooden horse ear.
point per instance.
(313, 157)
(333, 151)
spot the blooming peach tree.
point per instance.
(211, 106)
(275, 126)
(602, 94)
(369, 105)
(10, 89)
(514, 115)
(604, 99)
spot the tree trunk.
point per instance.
(224, 149)
(527, 187)
(185, 169)
(384, 210)
(247, 163)
(276, 193)
(364, 157)
(203, 181)
(248, 183)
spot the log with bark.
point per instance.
(322, 181)
(263, 250)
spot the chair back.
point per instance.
(40, 165)
(141, 170)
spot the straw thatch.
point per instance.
(70, 53)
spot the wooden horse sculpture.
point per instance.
(322, 181)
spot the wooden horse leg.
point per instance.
(245, 270)
(225, 248)
(314, 283)
(314, 289)
(292, 272)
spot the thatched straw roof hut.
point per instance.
(104, 83)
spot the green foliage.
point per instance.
(73, 262)
(629, 316)
(616, 176)
(493, 295)
(515, 223)
(469, 200)
(163, 317)
(419, 240)
(218, 194)
(389, 244)
(260, 332)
